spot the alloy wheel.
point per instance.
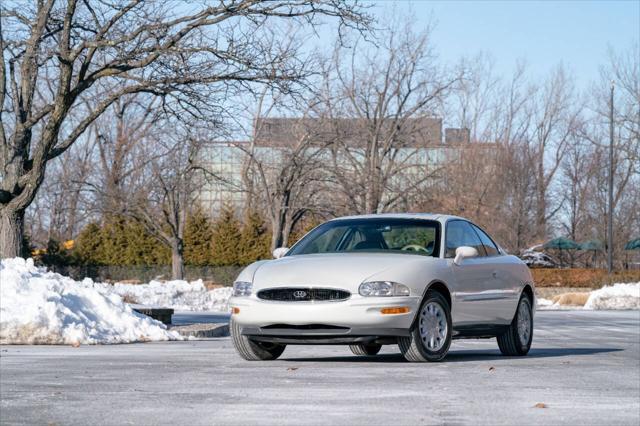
(524, 322)
(433, 326)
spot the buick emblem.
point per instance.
(299, 294)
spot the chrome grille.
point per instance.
(297, 294)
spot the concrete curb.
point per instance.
(202, 330)
(160, 314)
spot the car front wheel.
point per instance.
(516, 341)
(430, 336)
(252, 350)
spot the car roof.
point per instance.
(425, 216)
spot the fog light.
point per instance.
(235, 310)
(395, 310)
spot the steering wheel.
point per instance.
(415, 247)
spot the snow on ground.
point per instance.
(542, 303)
(40, 307)
(179, 295)
(616, 296)
(549, 305)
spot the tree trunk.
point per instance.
(276, 237)
(11, 231)
(277, 232)
(286, 232)
(541, 215)
(177, 260)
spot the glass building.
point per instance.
(419, 150)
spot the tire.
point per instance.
(365, 350)
(252, 350)
(517, 341)
(415, 348)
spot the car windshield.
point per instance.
(409, 236)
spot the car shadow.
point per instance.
(464, 355)
(478, 355)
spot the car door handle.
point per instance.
(495, 274)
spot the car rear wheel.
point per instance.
(252, 350)
(516, 341)
(365, 350)
(430, 336)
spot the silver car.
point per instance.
(415, 280)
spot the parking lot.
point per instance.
(584, 368)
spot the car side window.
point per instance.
(487, 243)
(460, 233)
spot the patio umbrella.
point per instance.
(633, 245)
(593, 246)
(561, 243)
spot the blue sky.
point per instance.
(544, 33)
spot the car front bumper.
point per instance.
(358, 319)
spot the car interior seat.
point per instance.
(430, 247)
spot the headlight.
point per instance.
(383, 288)
(242, 288)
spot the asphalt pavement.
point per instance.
(583, 369)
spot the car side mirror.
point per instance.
(464, 252)
(279, 252)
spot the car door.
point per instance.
(503, 288)
(472, 277)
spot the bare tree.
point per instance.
(491, 179)
(623, 70)
(577, 179)
(472, 103)
(123, 136)
(88, 180)
(65, 62)
(556, 114)
(286, 181)
(490, 109)
(162, 196)
(532, 126)
(148, 170)
(502, 176)
(470, 178)
(381, 102)
(64, 205)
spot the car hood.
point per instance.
(339, 270)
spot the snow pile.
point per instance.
(617, 296)
(549, 305)
(542, 303)
(40, 307)
(179, 295)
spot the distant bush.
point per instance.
(255, 239)
(198, 240)
(226, 239)
(117, 241)
(580, 277)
